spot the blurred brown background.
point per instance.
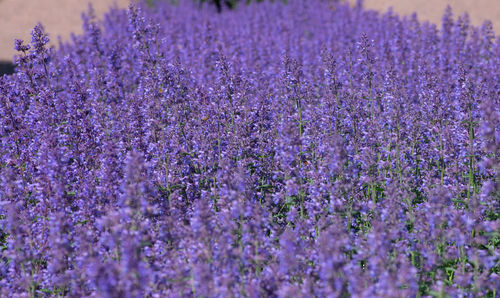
(60, 17)
(432, 10)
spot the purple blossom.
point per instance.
(271, 150)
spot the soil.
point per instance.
(61, 17)
(432, 10)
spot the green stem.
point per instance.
(471, 158)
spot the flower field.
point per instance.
(307, 149)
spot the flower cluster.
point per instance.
(308, 149)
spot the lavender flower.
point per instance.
(271, 150)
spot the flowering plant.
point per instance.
(307, 149)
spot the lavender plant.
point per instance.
(307, 150)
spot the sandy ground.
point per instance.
(60, 17)
(432, 10)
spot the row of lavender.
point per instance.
(308, 149)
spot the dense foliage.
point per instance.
(308, 149)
